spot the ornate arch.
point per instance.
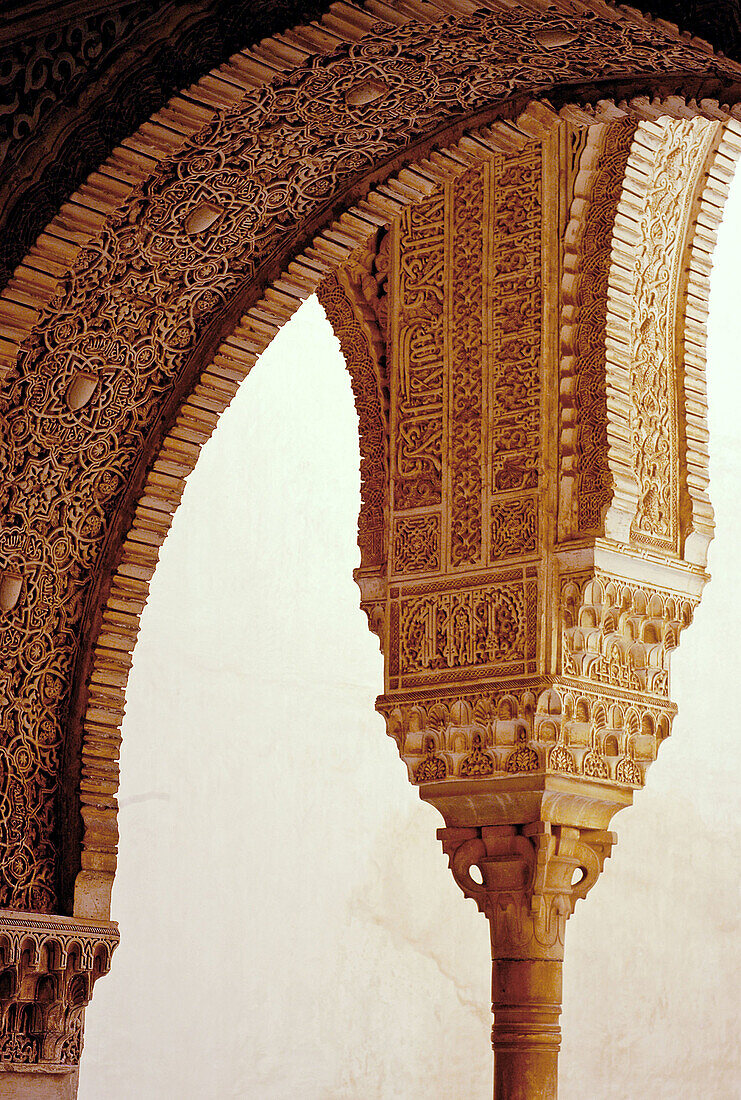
(118, 377)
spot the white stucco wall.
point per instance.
(290, 930)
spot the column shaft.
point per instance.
(526, 1036)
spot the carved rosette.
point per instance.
(48, 967)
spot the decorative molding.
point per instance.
(355, 325)
(585, 483)
(465, 366)
(83, 76)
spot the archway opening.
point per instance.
(289, 927)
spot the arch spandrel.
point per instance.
(125, 372)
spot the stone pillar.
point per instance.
(526, 880)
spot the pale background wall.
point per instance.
(290, 930)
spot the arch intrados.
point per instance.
(245, 293)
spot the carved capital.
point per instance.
(531, 877)
(48, 967)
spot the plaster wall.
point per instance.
(289, 927)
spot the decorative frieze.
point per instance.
(516, 308)
(479, 631)
(418, 349)
(465, 366)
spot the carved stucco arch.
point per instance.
(195, 272)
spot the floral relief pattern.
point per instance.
(417, 544)
(516, 308)
(483, 627)
(419, 355)
(466, 368)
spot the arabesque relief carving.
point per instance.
(604, 687)
(465, 369)
(524, 370)
(144, 292)
(655, 386)
(527, 714)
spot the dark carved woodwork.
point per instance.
(719, 21)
